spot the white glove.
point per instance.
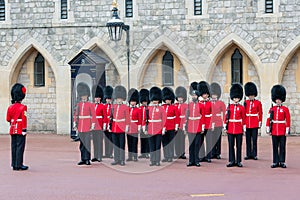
(259, 124)
(93, 126)
(268, 129)
(104, 126)
(183, 128)
(287, 130)
(126, 128)
(163, 131)
(213, 126)
(24, 132)
(176, 127)
(139, 128)
(244, 128)
(74, 126)
(203, 127)
(146, 132)
(144, 128)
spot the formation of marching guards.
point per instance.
(162, 118)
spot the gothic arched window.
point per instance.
(237, 67)
(39, 71)
(168, 69)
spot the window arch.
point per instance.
(237, 67)
(2, 10)
(64, 9)
(39, 71)
(168, 69)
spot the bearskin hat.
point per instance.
(97, 91)
(168, 94)
(194, 89)
(236, 91)
(181, 92)
(108, 91)
(144, 96)
(18, 92)
(278, 92)
(215, 89)
(120, 92)
(203, 88)
(250, 89)
(155, 94)
(83, 89)
(133, 95)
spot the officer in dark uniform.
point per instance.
(144, 102)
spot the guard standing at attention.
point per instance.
(253, 108)
(235, 125)
(16, 116)
(278, 125)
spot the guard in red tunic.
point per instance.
(135, 124)
(235, 125)
(100, 124)
(218, 116)
(157, 118)
(16, 116)
(144, 100)
(195, 125)
(171, 125)
(254, 113)
(84, 122)
(278, 125)
(120, 124)
(203, 88)
(108, 91)
(181, 97)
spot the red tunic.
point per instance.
(281, 120)
(253, 113)
(218, 113)
(157, 119)
(107, 108)
(172, 117)
(236, 124)
(143, 115)
(182, 107)
(16, 116)
(100, 116)
(207, 113)
(195, 117)
(84, 116)
(135, 119)
(121, 118)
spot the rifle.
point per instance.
(111, 116)
(271, 117)
(228, 114)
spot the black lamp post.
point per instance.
(115, 28)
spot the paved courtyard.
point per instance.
(53, 174)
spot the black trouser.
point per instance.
(231, 145)
(279, 151)
(85, 145)
(108, 143)
(17, 150)
(132, 144)
(168, 144)
(98, 143)
(119, 146)
(180, 143)
(251, 142)
(208, 140)
(145, 149)
(194, 147)
(155, 145)
(216, 141)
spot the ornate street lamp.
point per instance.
(115, 28)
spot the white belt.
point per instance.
(219, 115)
(279, 122)
(119, 120)
(208, 115)
(194, 118)
(99, 117)
(84, 117)
(19, 120)
(182, 116)
(252, 115)
(171, 117)
(153, 120)
(235, 120)
(134, 121)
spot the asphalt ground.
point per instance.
(54, 174)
